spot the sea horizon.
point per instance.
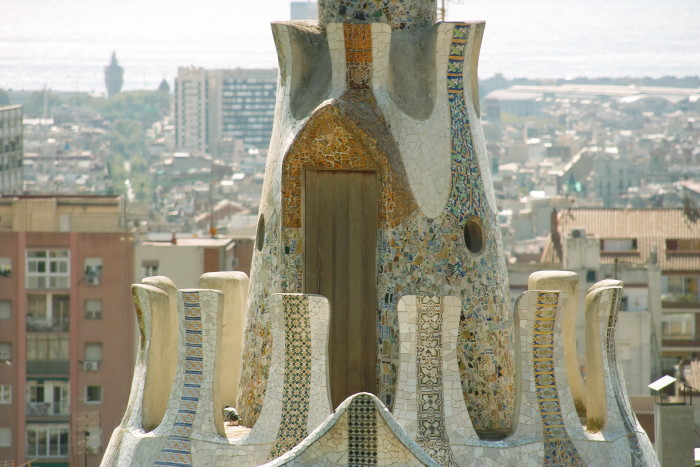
(542, 39)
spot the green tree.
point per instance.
(140, 178)
(82, 99)
(146, 107)
(40, 103)
(126, 139)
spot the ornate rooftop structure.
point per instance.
(378, 328)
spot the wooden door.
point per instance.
(340, 237)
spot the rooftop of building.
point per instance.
(526, 92)
(9, 107)
(653, 231)
(189, 241)
(61, 213)
(63, 199)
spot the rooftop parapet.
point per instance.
(429, 424)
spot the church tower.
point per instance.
(114, 77)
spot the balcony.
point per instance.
(48, 367)
(48, 324)
(47, 409)
(54, 450)
(57, 451)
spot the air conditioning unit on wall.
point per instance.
(91, 365)
(92, 279)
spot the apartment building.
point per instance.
(213, 107)
(656, 252)
(184, 260)
(11, 149)
(66, 327)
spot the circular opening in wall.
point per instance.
(260, 233)
(474, 235)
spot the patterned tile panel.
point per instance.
(637, 457)
(176, 451)
(362, 432)
(429, 386)
(297, 374)
(558, 448)
(358, 55)
(468, 196)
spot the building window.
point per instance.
(5, 352)
(5, 309)
(48, 312)
(48, 269)
(683, 245)
(93, 351)
(150, 267)
(47, 440)
(680, 288)
(590, 275)
(5, 437)
(617, 245)
(93, 309)
(48, 397)
(5, 394)
(93, 271)
(93, 439)
(47, 354)
(678, 326)
(93, 394)
(624, 303)
(64, 223)
(5, 267)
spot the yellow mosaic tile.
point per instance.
(335, 139)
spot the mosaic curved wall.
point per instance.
(429, 425)
(416, 254)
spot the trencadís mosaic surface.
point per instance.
(430, 424)
(377, 87)
(416, 253)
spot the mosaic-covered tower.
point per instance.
(377, 187)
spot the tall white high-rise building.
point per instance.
(191, 109)
(11, 149)
(213, 105)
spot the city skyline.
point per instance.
(539, 39)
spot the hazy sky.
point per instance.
(44, 40)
